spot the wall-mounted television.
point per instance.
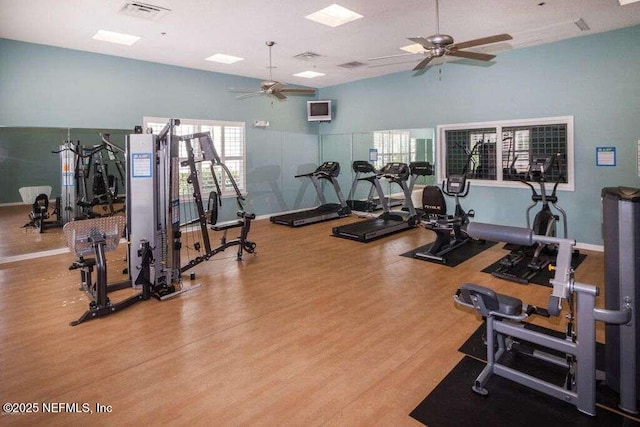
(319, 111)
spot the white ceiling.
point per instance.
(196, 29)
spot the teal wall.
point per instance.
(49, 87)
(593, 78)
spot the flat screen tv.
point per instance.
(319, 111)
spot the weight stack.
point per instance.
(621, 234)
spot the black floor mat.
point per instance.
(455, 257)
(542, 277)
(452, 404)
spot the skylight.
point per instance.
(112, 37)
(223, 59)
(623, 2)
(309, 74)
(334, 15)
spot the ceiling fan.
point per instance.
(439, 45)
(271, 87)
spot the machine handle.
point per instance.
(614, 317)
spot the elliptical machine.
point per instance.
(544, 224)
(449, 229)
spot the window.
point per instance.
(499, 153)
(229, 141)
(394, 146)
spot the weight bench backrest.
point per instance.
(433, 202)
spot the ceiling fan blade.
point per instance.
(422, 64)
(300, 91)
(391, 56)
(249, 95)
(410, 61)
(484, 40)
(278, 95)
(241, 90)
(422, 42)
(471, 55)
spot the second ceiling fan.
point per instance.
(270, 87)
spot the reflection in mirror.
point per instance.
(377, 148)
(262, 182)
(30, 158)
(304, 183)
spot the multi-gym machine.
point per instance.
(505, 316)
(153, 229)
(86, 181)
(209, 216)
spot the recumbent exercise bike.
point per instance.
(449, 229)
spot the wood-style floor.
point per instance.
(313, 330)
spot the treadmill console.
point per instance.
(329, 168)
(362, 166)
(421, 168)
(396, 170)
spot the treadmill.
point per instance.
(328, 171)
(370, 204)
(388, 222)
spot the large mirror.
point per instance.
(378, 148)
(31, 164)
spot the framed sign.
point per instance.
(605, 156)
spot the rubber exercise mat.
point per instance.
(453, 404)
(543, 276)
(455, 257)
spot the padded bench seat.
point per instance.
(227, 225)
(492, 301)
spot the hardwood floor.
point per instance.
(313, 330)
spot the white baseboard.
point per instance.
(12, 204)
(32, 255)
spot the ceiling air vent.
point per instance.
(144, 11)
(307, 55)
(352, 64)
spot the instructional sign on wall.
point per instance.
(373, 155)
(141, 165)
(605, 156)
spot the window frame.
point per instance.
(405, 137)
(441, 149)
(227, 192)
